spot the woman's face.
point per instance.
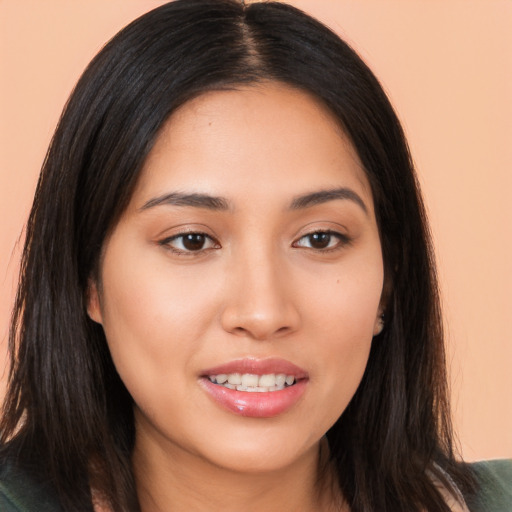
(249, 253)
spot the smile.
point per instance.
(258, 388)
(253, 383)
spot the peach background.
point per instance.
(447, 67)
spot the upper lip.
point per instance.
(257, 367)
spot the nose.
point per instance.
(260, 302)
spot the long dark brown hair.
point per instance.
(67, 415)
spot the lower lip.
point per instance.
(255, 404)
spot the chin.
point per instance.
(264, 452)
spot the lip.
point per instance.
(257, 404)
(257, 367)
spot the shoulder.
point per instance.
(494, 493)
(19, 492)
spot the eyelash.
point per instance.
(167, 243)
(343, 240)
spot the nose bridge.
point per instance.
(259, 303)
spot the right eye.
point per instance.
(187, 243)
(323, 241)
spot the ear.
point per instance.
(93, 302)
(378, 326)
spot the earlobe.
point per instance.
(93, 302)
(378, 326)
(379, 323)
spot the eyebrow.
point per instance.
(324, 196)
(195, 200)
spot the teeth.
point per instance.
(249, 380)
(267, 381)
(280, 379)
(253, 383)
(235, 379)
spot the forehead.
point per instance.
(267, 137)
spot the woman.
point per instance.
(227, 297)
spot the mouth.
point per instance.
(255, 388)
(253, 383)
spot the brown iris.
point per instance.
(193, 241)
(320, 240)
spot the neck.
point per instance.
(172, 479)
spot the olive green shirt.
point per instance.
(18, 493)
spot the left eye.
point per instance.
(189, 242)
(321, 240)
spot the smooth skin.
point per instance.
(273, 267)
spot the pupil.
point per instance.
(193, 241)
(320, 240)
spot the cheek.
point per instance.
(146, 294)
(343, 311)
(341, 367)
(154, 320)
(344, 302)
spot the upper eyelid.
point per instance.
(185, 233)
(322, 230)
(326, 231)
(167, 244)
(334, 232)
(297, 237)
(323, 225)
(343, 240)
